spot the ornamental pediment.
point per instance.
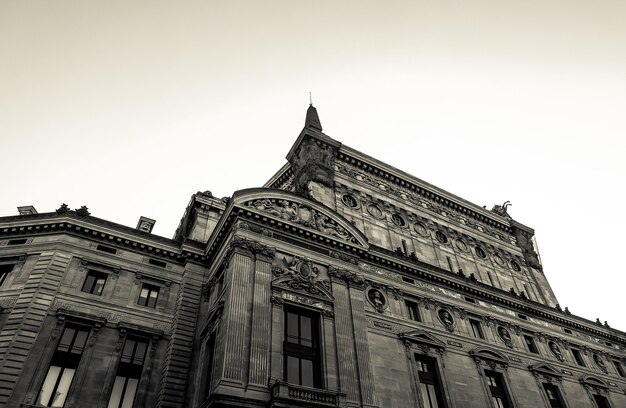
(299, 211)
(301, 275)
(592, 381)
(545, 369)
(489, 355)
(422, 337)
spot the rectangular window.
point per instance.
(619, 368)
(477, 331)
(578, 357)
(128, 374)
(5, 269)
(554, 396)
(499, 397)
(148, 295)
(94, 283)
(601, 401)
(208, 359)
(530, 344)
(413, 310)
(429, 383)
(302, 348)
(64, 363)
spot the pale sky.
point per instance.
(129, 107)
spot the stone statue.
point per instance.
(600, 363)
(377, 299)
(554, 348)
(504, 335)
(446, 318)
(501, 209)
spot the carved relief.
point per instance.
(554, 348)
(503, 333)
(302, 275)
(313, 161)
(349, 277)
(445, 317)
(304, 215)
(377, 299)
(598, 360)
(252, 246)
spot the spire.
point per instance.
(312, 120)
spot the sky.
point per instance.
(129, 107)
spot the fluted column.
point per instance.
(260, 335)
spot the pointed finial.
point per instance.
(310, 99)
(312, 119)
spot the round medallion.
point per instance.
(516, 267)
(480, 252)
(441, 237)
(375, 211)
(420, 228)
(461, 245)
(398, 220)
(498, 259)
(554, 348)
(446, 317)
(349, 201)
(504, 334)
(377, 299)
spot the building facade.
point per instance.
(342, 282)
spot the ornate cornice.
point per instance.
(253, 246)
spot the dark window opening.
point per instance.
(477, 330)
(19, 241)
(302, 348)
(601, 401)
(148, 295)
(208, 360)
(568, 331)
(619, 368)
(469, 299)
(5, 269)
(521, 316)
(106, 249)
(413, 311)
(408, 280)
(530, 344)
(578, 357)
(429, 382)
(94, 283)
(128, 374)
(554, 396)
(499, 396)
(65, 360)
(157, 263)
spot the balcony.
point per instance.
(290, 395)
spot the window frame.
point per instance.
(503, 393)
(530, 344)
(413, 311)
(474, 323)
(64, 360)
(578, 357)
(302, 352)
(129, 370)
(151, 289)
(99, 274)
(432, 378)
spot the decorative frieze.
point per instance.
(349, 277)
(252, 246)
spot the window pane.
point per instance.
(307, 373)
(306, 338)
(140, 352)
(97, 290)
(129, 395)
(88, 284)
(48, 385)
(293, 370)
(66, 339)
(116, 393)
(127, 353)
(292, 328)
(60, 393)
(79, 342)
